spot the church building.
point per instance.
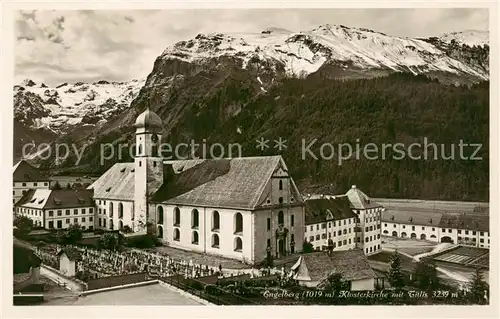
(239, 208)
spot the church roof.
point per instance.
(360, 200)
(56, 199)
(230, 183)
(25, 172)
(318, 209)
(351, 264)
(148, 119)
(116, 183)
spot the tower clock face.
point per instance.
(154, 138)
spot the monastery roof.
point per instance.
(411, 217)
(56, 199)
(232, 183)
(465, 221)
(25, 172)
(468, 221)
(360, 200)
(332, 208)
(116, 183)
(351, 264)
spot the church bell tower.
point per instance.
(148, 165)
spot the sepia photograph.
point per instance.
(251, 156)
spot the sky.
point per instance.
(54, 47)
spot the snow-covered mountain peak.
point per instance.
(67, 104)
(468, 37)
(305, 52)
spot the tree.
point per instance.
(426, 275)
(395, 273)
(56, 186)
(478, 288)
(68, 186)
(73, 234)
(23, 224)
(111, 241)
(307, 247)
(108, 241)
(335, 283)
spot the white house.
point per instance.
(57, 209)
(235, 208)
(68, 258)
(26, 177)
(313, 269)
(330, 222)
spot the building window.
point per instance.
(385, 225)
(280, 200)
(329, 225)
(481, 240)
(459, 231)
(100, 211)
(292, 220)
(75, 211)
(334, 224)
(67, 212)
(378, 236)
(311, 239)
(111, 209)
(345, 231)
(177, 216)
(311, 228)
(160, 231)
(91, 219)
(177, 234)
(91, 210)
(104, 222)
(67, 220)
(423, 228)
(349, 241)
(323, 236)
(467, 232)
(317, 237)
(345, 242)
(329, 235)
(449, 230)
(366, 239)
(238, 244)
(120, 210)
(24, 184)
(281, 185)
(473, 233)
(51, 224)
(83, 219)
(281, 218)
(59, 213)
(51, 213)
(323, 226)
(160, 215)
(194, 238)
(83, 210)
(412, 227)
(45, 184)
(238, 223)
(269, 224)
(195, 215)
(340, 243)
(481, 233)
(216, 223)
(111, 226)
(215, 241)
(268, 242)
(366, 250)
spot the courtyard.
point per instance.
(153, 295)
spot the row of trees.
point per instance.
(425, 277)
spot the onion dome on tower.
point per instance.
(148, 121)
